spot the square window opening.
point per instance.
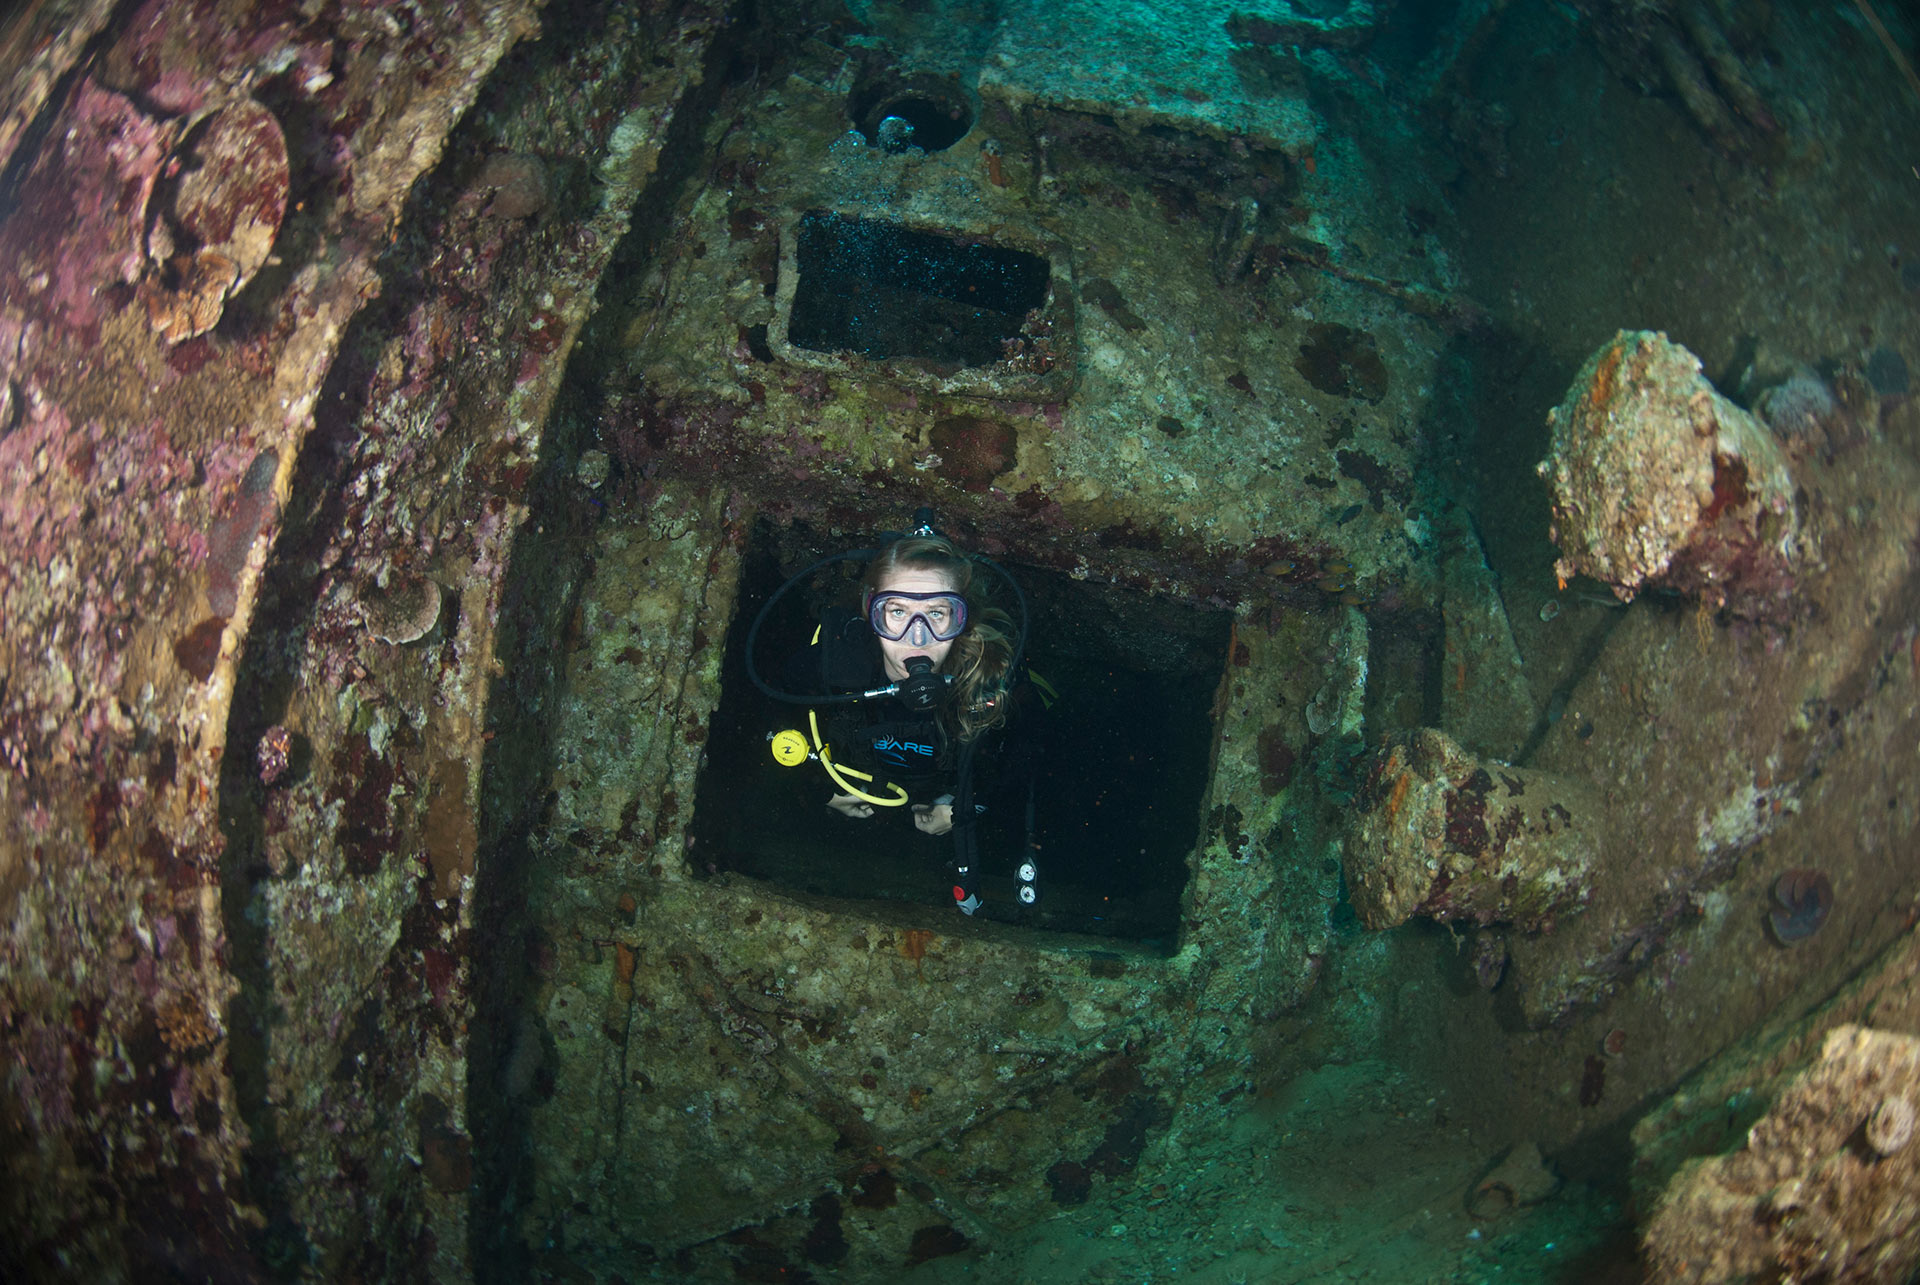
(884, 290)
(1098, 779)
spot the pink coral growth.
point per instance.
(273, 753)
(78, 228)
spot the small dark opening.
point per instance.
(922, 112)
(1103, 789)
(882, 290)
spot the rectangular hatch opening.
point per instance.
(1102, 788)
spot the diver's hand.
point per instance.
(849, 806)
(933, 818)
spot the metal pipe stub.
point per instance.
(1438, 832)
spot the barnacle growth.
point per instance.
(1801, 901)
(1521, 1178)
(184, 1024)
(1890, 1127)
(405, 610)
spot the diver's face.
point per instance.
(898, 651)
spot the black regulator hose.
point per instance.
(760, 618)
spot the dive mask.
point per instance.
(919, 618)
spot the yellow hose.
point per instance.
(834, 770)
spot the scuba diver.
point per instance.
(916, 680)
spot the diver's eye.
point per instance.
(937, 616)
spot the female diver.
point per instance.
(914, 682)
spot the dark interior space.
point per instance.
(927, 112)
(1100, 774)
(882, 290)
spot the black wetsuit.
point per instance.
(898, 745)
(883, 737)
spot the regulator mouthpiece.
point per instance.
(921, 689)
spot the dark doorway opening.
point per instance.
(1100, 786)
(882, 290)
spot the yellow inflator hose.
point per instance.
(785, 745)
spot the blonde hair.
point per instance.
(979, 657)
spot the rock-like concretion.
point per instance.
(1443, 834)
(1659, 480)
(1823, 1188)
